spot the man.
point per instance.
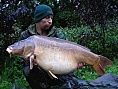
(38, 78)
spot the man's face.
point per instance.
(46, 22)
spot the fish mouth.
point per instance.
(9, 50)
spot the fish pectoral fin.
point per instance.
(105, 62)
(31, 61)
(99, 69)
(52, 75)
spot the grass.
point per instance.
(12, 74)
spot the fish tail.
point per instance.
(104, 61)
(99, 69)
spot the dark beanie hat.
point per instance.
(41, 12)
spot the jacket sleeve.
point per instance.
(25, 34)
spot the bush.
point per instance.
(94, 39)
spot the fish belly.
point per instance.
(57, 66)
(56, 61)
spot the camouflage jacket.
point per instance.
(31, 30)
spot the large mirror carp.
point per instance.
(57, 56)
